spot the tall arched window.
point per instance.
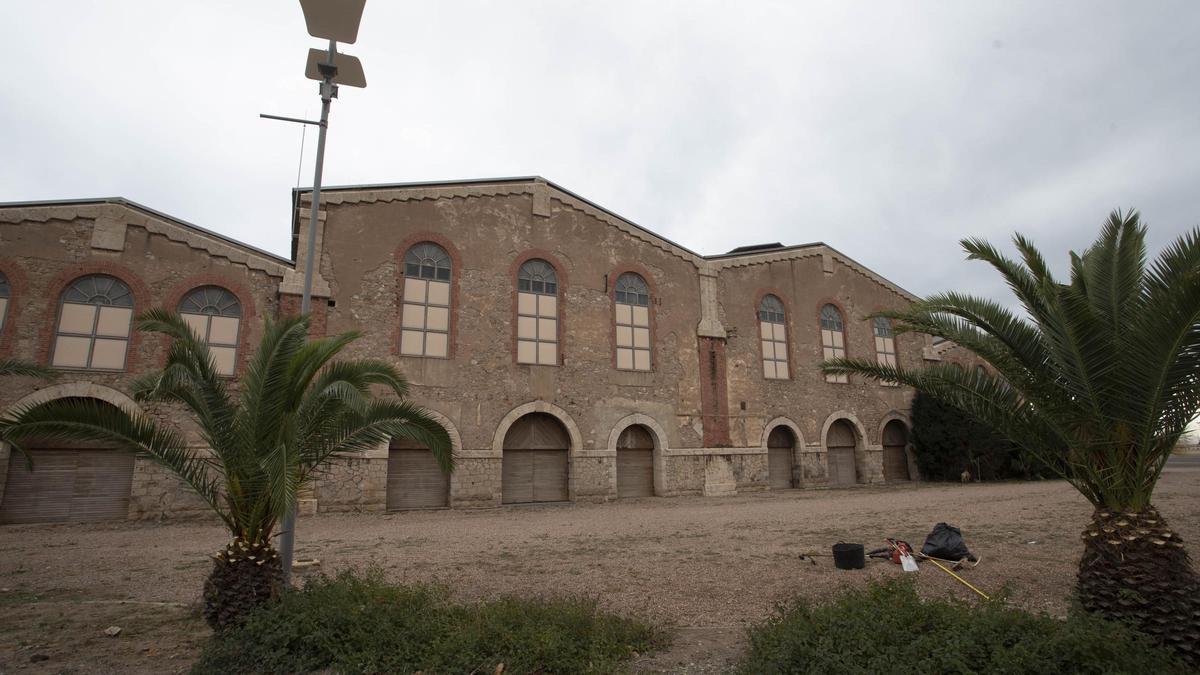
(885, 346)
(633, 322)
(537, 313)
(5, 293)
(833, 339)
(94, 319)
(425, 317)
(772, 331)
(216, 316)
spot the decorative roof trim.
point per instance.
(132, 213)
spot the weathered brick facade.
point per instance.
(704, 400)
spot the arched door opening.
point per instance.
(535, 462)
(781, 449)
(635, 462)
(895, 461)
(70, 483)
(841, 442)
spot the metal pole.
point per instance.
(287, 537)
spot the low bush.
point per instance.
(886, 628)
(947, 440)
(358, 623)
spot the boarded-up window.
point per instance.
(632, 322)
(885, 346)
(833, 340)
(216, 316)
(772, 331)
(94, 322)
(5, 293)
(537, 313)
(425, 312)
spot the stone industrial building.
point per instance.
(572, 354)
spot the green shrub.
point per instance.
(361, 624)
(886, 628)
(947, 440)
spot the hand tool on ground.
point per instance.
(961, 580)
(902, 554)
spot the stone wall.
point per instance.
(705, 399)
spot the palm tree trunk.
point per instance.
(244, 576)
(1135, 569)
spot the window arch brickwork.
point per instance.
(58, 285)
(5, 295)
(426, 305)
(95, 324)
(634, 338)
(773, 337)
(539, 282)
(833, 338)
(885, 346)
(215, 314)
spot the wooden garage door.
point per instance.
(67, 486)
(635, 462)
(780, 447)
(895, 462)
(841, 442)
(415, 481)
(535, 463)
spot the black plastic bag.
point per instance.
(946, 542)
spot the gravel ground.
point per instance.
(704, 566)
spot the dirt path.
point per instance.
(707, 567)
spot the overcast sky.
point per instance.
(889, 131)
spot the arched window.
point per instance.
(633, 322)
(885, 346)
(537, 313)
(216, 316)
(833, 339)
(94, 320)
(772, 331)
(5, 293)
(425, 317)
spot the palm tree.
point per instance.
(296, 408)
(1098, 380)
(16, 367)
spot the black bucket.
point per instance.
(848, 556)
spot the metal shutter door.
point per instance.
(550, 476)
(103, 479)
(516, 476)
(895, 462)
(635, 473)
(779, 466)
(415, 481)
(841, 466)
(68, 486)
(779, 458)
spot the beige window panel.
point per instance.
(94, 323)
(214, 314)
(833, 340)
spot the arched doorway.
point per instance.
(635, 462)
(781, 448)
(70, 483)
(414, 479)
(841, 441)
(895, 461)
(535, 461)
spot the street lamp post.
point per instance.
(334, 20)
